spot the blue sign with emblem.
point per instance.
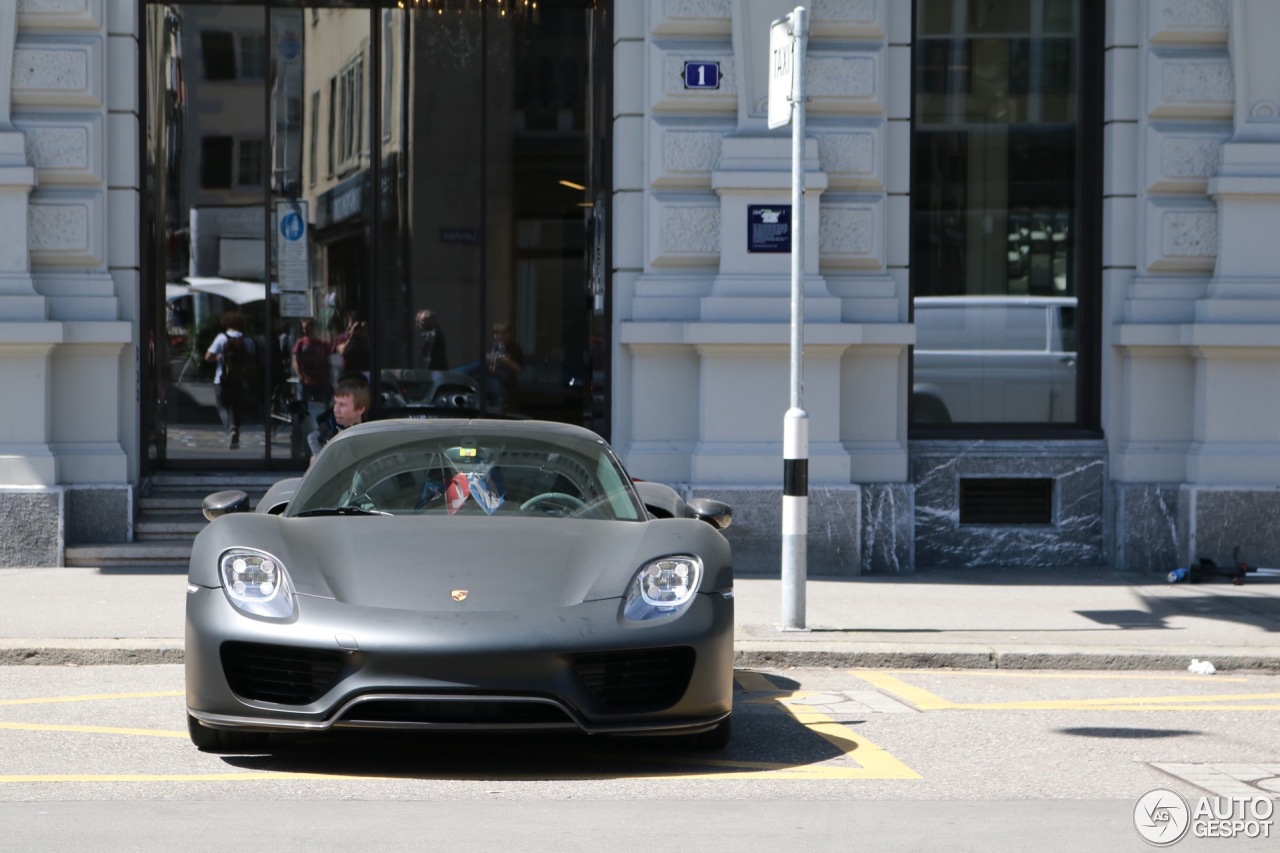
(702, 75)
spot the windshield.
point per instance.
(497, 472)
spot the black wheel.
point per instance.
(224, 740)
(711, 740)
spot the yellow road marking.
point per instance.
(922, 699)
(1084, 676)
(49, 700)
(926, 701)
(96, 730)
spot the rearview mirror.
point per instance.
(716, 513)
(219, 504)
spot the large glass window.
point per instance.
(401, 192)
(996, 261)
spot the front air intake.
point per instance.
(636, 680)
(286, 675)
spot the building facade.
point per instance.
(1041, 307)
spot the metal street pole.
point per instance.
(795, 426)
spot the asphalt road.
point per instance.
(97, 758)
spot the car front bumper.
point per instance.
(579, 666)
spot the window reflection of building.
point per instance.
(994, 147)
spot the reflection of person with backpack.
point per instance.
(234, 353)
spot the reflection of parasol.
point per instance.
(239, 292)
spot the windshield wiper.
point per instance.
(339, 510)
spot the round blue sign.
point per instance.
(292, 226)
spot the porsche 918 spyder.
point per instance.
(464, 575)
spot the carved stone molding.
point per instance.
(683, 232)
(848, 236)
(1188, 21)
(848, 19)
(1183, 157)
(65, 229)
(851, 158)
(66, 72)
(1181, 236)
(65, 149)
(684, 154)
(60, 14)
(691, 18)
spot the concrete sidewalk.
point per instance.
(971, 618)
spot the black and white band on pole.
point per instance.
(788, 39)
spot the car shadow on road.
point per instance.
(767, 738)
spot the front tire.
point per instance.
(219, 741)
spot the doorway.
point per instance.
(414, 176)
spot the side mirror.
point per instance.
(219, 504)
(716, 513)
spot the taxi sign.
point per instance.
(782, 47)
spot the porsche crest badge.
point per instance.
(459, 595)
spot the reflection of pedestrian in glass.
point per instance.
(353, 346)
(504, 360)
(311, 363)
(431, 349)
(235, 355)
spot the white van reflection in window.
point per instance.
(995, 359)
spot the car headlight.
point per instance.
(663, 587)
(256, 583)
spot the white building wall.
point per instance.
(702, 325)
(1190, 463)
(68, 274)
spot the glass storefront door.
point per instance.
(404, 197)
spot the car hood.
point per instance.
(422, 563)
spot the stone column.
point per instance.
(1230, 499)
(30, 508)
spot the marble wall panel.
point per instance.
(99, 515)
(1147, 523)
(31, 528)
(834, 531)
(888, 525)
(1075, 537)
(1224, 519)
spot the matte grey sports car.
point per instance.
(460, 574)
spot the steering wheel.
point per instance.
(553, 503)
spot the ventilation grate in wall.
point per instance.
(1006, 500)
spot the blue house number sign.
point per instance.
(702, 75)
